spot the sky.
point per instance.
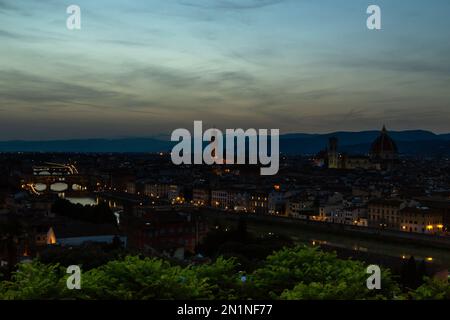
(147, 67)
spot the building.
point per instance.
(328, 208)
(76, 233)
(357, 162)
(421, 220)
(240, 200)
(259, 202)
(441, 204)
(166, 231)
(201, 197)
(306, 215)
(131, 187)
(277, 203)
(229, 199)
(338, 160)
(353, 215)
(296, 207)
(383, 154)
(175, 194)
(384, 213)
(221, 199)
(384, 147)
(157, 190)
(334, 158)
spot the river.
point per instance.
(303, 236)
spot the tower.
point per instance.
(333, 156)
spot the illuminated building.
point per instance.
(421, 220)
(200, 197)
(259, 202)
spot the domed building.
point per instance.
(383, 155)
(384, 147)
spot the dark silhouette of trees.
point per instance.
(294, 273)
(412, 275)
(408, 273)
(99, 214)
(237, 242)
(12, 232)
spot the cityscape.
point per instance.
(336, 186)
(90, 209)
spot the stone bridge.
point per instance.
(57, 178)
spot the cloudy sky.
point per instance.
(146, 67)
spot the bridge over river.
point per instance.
(55, 178)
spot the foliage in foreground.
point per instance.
(300, 273)
(294, 273)
(433, 289)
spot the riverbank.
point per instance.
(433, 241)
(367, 246)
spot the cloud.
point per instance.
(229, 4)
(192, 80)
(39, 38)
(43, 94)
(10, 35)
(17, 85)
(318, 94)
(401, 64)
(7, 6)
(125, 43)
(185, 59)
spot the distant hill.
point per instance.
(416, 148)
(412, 142)
(88, 145)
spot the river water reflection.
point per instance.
(400, 250)
(432, 255)
(92, 201)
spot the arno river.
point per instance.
(404, 251)
(315, 238)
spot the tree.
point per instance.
(302, 272)
(421, 273)
(100, 214)
(409, 274)
(11, 233)
(33, 281)
(290, 273)
(222, 277)
(241, 232)
(432, 289)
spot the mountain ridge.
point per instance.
(411, 142)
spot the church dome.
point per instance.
(384, 147)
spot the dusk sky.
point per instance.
(147, 67)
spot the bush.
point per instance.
(295, 273)
(432, 289)
(302, 272)
(141, 279)
(33, 281)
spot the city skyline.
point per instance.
(149, 67)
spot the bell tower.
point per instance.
(333, 156)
